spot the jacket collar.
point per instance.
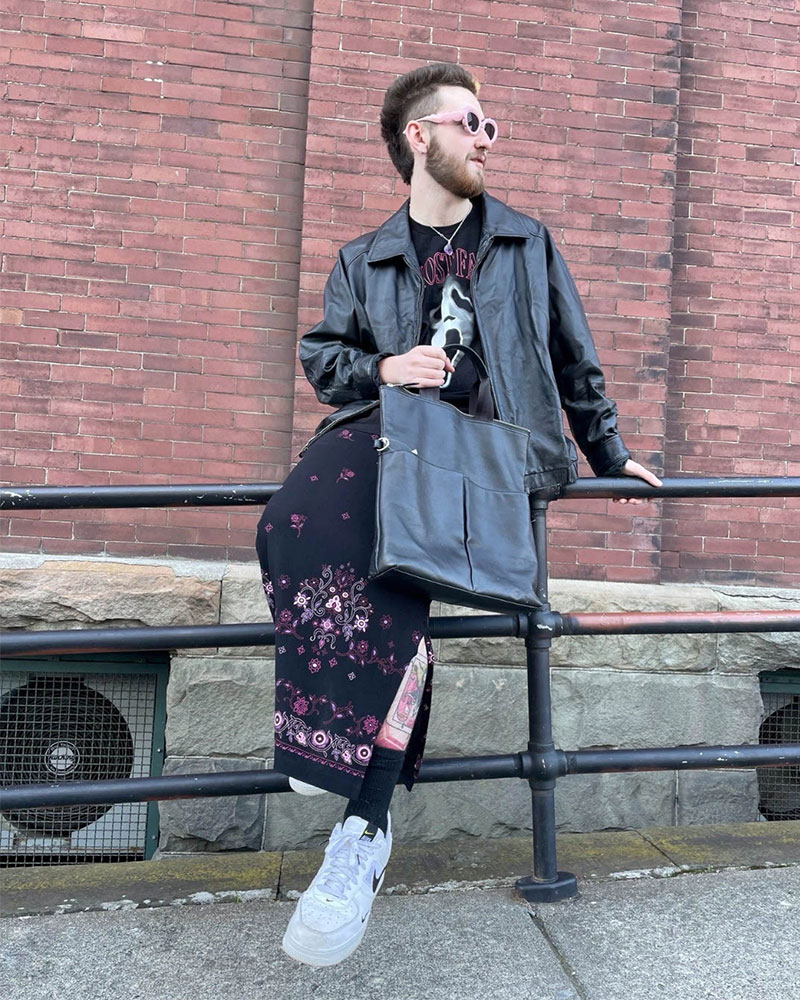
(393, 238)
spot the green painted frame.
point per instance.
(155, 663)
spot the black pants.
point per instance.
(342, 643)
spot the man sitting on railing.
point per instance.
(353, 658)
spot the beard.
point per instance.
(452, 174)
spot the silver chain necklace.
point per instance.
(448, 240)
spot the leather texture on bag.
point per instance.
(453, 518)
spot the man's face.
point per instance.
(455, 158)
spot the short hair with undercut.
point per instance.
(414, 95)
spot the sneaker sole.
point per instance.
(318, 958)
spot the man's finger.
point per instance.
(649, 478)
(637, 471)
(430, 351)
(428, 373)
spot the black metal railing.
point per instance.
(541, 763)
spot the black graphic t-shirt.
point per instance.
(448, 316)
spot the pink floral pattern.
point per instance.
(269, 592)
(363, 654)
(308, 719)
(342, 643)
(332, 608)
(334, 605)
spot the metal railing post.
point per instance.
(547, 884)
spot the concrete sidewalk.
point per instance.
(682, 913)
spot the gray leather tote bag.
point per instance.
(452, 515)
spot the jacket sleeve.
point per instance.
(337, 361)
(591, 414)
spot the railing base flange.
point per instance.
(564, 886)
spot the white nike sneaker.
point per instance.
(331, 915)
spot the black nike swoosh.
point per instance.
(376, 880)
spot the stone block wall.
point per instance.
(608, 691)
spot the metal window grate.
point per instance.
(74, 724)
(779, 787)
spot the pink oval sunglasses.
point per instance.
(468, 118)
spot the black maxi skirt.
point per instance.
(342, 643)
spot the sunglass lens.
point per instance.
(473, 122)
(491, 130)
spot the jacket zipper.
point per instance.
(483, 250)
(420, 293)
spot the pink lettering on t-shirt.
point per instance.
(436, 268)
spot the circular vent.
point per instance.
(779, 787)
(56, 729)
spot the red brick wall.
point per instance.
(646, 200)
(149, 259)
(587, 97)
(734, 400)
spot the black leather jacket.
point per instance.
(532, 327)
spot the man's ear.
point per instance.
(416, 137)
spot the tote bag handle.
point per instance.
(481, 399)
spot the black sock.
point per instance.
(377, 787)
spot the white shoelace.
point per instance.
(339, 867)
